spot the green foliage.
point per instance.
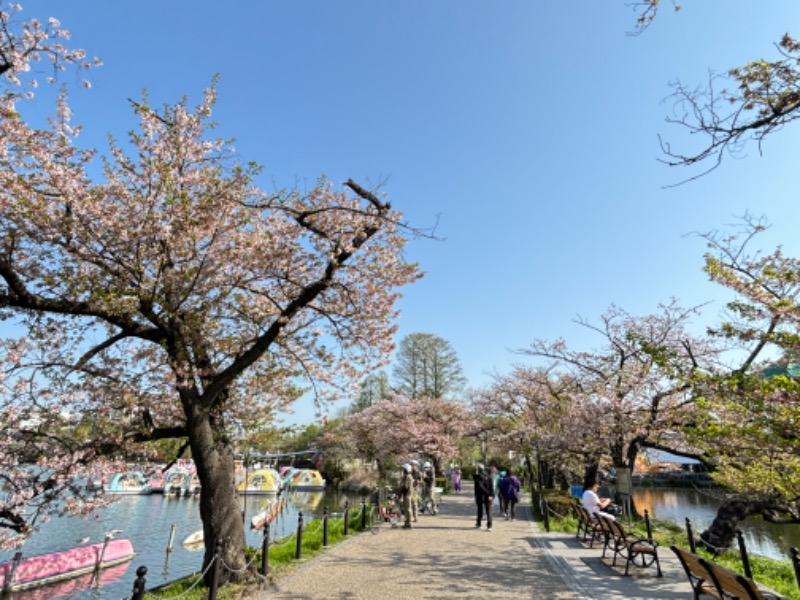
(427, 366)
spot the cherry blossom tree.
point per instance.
(37, 429)
(638, 386)
(174, 297)
(394, 430)
(743, 106)
(750, 411)
(543, 414)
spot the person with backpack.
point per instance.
(510, 486)
(408, 491)
(484, 494)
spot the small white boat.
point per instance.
(268, 514)
(194, 540)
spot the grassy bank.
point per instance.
(281, 563)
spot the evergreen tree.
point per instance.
(427, 367)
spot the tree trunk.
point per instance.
(531, 475)
(633, 452)
(220, 508)
(722, 531)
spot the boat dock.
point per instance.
(446, 556)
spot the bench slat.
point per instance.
(730, 584)
(698, 576)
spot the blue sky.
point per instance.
(529, 129)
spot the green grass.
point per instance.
(774, 574)
(281, 559)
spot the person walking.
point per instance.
(417, 483)
(484, 493)
(510, 486)
(455, 475)
(408, 490)
(429, 481)
(497, 476)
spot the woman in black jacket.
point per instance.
(484, 494)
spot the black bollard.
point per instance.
(545, 515)
(299, 548)
(795, 563)
(346, 516)
(647, 525)
(139, 584)
(689, 533)
(743, 551)
(363, 513)
(325, 526)
(212, 592)
(265, 550)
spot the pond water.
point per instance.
(700, 506)
(148, 521)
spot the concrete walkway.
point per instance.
(446, 556)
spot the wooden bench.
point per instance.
(698, 576)
(730, 584)
(710, 579)
(640, 552)
(587, 524)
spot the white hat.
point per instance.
(415, 462)
(427, 465)
(407, 468)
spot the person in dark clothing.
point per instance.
(509, 494)
(484, 494)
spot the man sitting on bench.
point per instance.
(594, 504)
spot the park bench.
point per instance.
(591, 527)
(698, 576)
(640, 552)
(710, 579)
(730, 584)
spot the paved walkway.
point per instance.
(446, 556)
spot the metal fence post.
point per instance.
(325, 526)
(139, 584)
(346, 516)
(363, 513)
(265, 550)
(690, 535)
(743, 551)
(545, 514)
(299, 548)
(212, 593)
